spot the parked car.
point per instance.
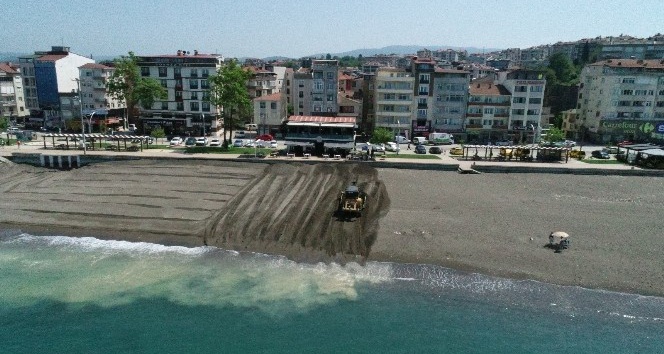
(238, 143)
(456, 151)
(176, 141)
(434, 150)
(250, 143)
(570, 143)
(611, 149)
(624, 142)
(600, 154)
(400, 139)
(420, 149)
(190, 141)
(273, 144)
(379, 148)
(201, 141)
(265, 137)
(391, 146)
(215, 142)
(240, 134)
(504, 143)
(419, 140)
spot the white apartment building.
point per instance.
(394, 102)
(527, 90)
(622, 99)
(12, 101)
(325, 86)
(185, 77)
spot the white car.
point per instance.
(176, 141)
(215, 142)
(250, 144)
(238, 143)
(273, 144)
(391, 146)
(378, 147)
(201, 141)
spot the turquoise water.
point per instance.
(84, 295)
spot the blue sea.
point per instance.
(85, 295)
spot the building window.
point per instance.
(193, 84)
(193, 106)
(194, 72)
(163, 71)
(536, 88)
(273, 105)
(535, 100)
(518, 112)
(178, 95)
(330, 98)
(262, 105)
(300, 94)
(193, 95)
(330, 86)
(628, 80)
(179, 106)
(206, 106)
(177, 71)
(520, 88)
(317, 108)
(164, 83)
(205, 72)
(205, 84)
(145, 71)
(164, 106)
(330, 75)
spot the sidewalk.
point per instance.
(443, 162)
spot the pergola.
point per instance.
(530, 149)
(137, 140)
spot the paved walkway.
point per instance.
(37, 147)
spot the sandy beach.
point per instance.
(495, 224)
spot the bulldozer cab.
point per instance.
(352, 192)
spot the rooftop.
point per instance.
(319, 119)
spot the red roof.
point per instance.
(51, 57)
(319, 119)
(7, 68)
(631, 63)
(272, 97)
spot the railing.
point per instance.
(474, 126)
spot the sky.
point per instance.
(297, 28)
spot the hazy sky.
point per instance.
(296, 28)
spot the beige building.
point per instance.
(622, 99)
(270, 113)
(394, 101)
(488, 114)
(12, 101)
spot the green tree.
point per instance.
(127, 84)
(228, 91)
(563, 68)
(4, 123)
(158, 133)
(381, 136)
(555, 134)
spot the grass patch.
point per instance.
(602, 162)
(229, 150)
(154, 146)
(412, 156)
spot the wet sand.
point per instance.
(495, 224)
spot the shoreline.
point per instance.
(493, 224)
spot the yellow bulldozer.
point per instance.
(352, 201)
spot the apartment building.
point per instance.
(393, 99)
(325, 86)
(27, 68)
(94, 96)
(422, 69)
(185, 77)
(527, 90)
(488, 112)
(12, 101)
(622, 99)
(55, 78)
(301, 92)
(270, 113)
(449, 96)
(266, 80)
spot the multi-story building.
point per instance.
(95, 97)
(393, 100)
(449, 95)
(367, 121)
(55, 75)
(325, 86)
(12, 101)
(488, 112)
(185, 77)
(301, 92)
(270, 113)
(571, 124)
(349, 107)
(27, 69)
(422, 70)
(628, 47)
(527, 90)
(622, 99)
(266, 80)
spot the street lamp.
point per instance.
(80, 104)
(203, 119)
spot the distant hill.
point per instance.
(10, 56)
(402, 50)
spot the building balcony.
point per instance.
(473, 114)
(499, 127)
(474, 126)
